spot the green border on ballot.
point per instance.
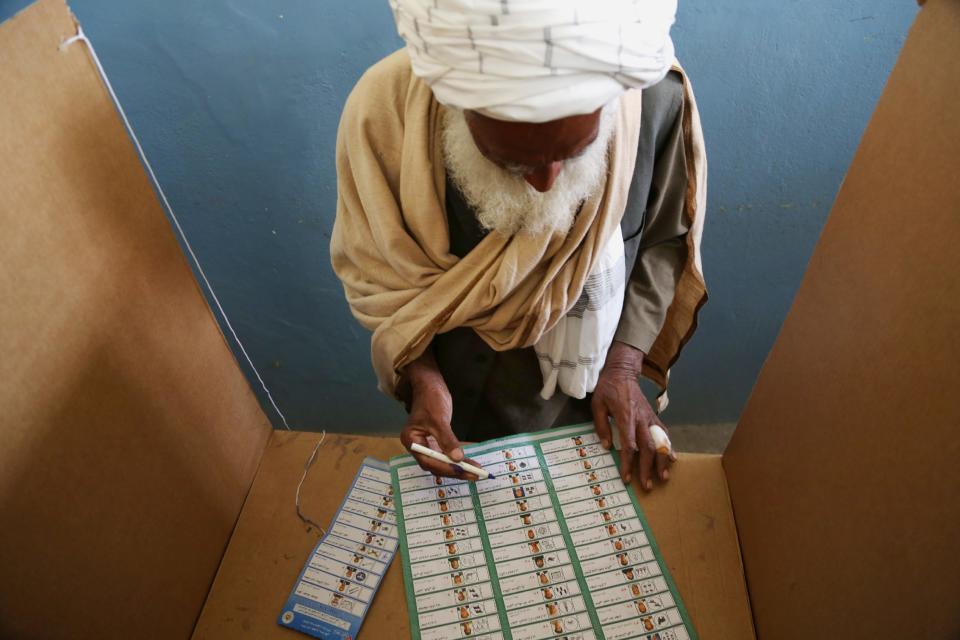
(521, 439)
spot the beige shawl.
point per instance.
(390, 244)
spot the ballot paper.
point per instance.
(555, 546)
(337, 585)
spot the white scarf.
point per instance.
(573, 352)
(536, 60)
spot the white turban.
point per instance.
(536, 60)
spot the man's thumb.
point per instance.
(449, 443)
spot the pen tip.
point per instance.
(490, 476)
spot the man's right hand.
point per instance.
(431, 410)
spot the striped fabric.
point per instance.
(536, 60)
(573, 352)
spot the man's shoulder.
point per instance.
(393, 69)
(662, 101)
(387, 78)
(372, 120)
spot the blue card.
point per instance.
(337, 585)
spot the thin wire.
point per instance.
(183, 236)
(306, 468)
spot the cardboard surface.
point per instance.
(129, 435)
(844, 471)
(271, 544)
(130, 438)
(690, 517)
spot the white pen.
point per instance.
(466, 466)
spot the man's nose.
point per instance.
(542, 178)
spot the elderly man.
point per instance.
(521, 196)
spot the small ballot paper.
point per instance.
(555, 546)
(337, 585)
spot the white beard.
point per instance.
(503, 201)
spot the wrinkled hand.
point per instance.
(431, 410)
(618, 396)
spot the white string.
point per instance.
(306, 468)
(103, 75)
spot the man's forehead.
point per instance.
(533, 143)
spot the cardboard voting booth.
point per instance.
(143, 493)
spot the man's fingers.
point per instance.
(473, 462)
(647, 455)
(460, 473)
(467, 475)
(601, 423)
(663, 466)
(664, 450)
(448, 442)
(406, 438)
(426, 438)
(627, 450)
(625, 425)
(626, 463)
(435, 467)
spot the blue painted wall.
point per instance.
(236, 104)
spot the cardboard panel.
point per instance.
(271, 544)
(128, 436)
(844, 471)
(690, 517)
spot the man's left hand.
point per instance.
(618, 396)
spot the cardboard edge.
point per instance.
(736, 533)
(793, 302)
(186, 250)
(732, 443)
(18, 14)
(256, 474)
(195, 268)
(879, 154)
